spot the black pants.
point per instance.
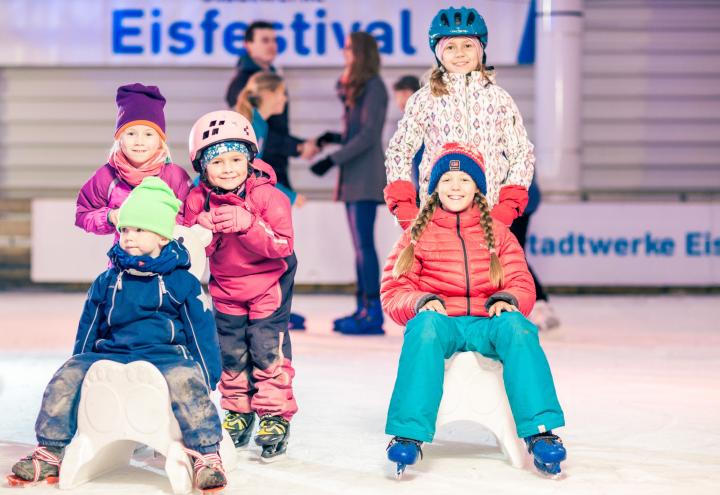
(519, 227)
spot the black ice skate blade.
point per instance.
(273, 453)
(15, 481)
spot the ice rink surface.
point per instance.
(638, 378)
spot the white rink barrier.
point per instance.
(576, 244)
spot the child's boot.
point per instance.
(239, 426)
(208, 472)
(272, 436)
(548, 452)
(404, 452)
(42, 465)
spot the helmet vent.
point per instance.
(470, 19)
(458, 19)
(206, 134)
(444, 21)
(215, 131)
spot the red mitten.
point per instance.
(510, 205)
(229, 218)
(400, 197)
(205, 219)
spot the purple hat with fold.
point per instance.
(140, 105)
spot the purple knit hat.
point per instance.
(140, 105)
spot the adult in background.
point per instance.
(362, 172)
(260, 51)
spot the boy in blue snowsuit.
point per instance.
(148, 307)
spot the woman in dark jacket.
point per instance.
(362, 172)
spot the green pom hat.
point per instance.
(152, 206)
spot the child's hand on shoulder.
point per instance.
(434, 305)
(499, 307)
(113, 216)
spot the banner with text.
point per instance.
(211, 32)
(625, 244)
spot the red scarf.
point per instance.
(134, 175)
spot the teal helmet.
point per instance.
(458, 22)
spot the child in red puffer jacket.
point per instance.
(459, 281)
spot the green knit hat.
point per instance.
(150, 206)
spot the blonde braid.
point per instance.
(486, 221)
(404, 262)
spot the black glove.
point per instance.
(321, 167)
(328, 138)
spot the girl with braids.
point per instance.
(461, 103)
(459, 282)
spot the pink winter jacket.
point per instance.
(105, 191)
(246, 266)
(451, 263)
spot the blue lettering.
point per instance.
(299, 26)
(119, 31)
(155, 33)
(405, 31)
(668, 246)
(621, 246)
(340, 33)
(133, 34)
(231, 37)
(209, 26)
(600, 246)
(320, 33)
(548, 247)
(692, 244)
(566, 245)
(188, 42)
(385, 38)
(532, 244)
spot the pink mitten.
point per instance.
(205, 219)
(229, 218)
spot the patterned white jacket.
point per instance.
(476, 113)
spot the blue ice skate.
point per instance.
(548, 452)
(405, 452)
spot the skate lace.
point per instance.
(548, 437)
(395, 440)
(235, 419)
(42, 454)
(272, 425)
(204, 461)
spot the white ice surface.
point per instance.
(638, 378)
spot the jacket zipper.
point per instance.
(118, 286)
(161, 291)
(467, 270)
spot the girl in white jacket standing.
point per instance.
(461, 103)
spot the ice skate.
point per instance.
(404, 452)
(272, 436)
(239, 426)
